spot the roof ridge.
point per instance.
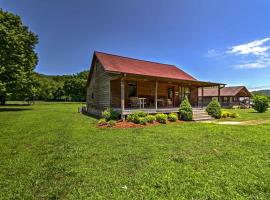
(171, 65)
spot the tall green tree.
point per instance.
(17, 57)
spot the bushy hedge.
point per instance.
(214, 109)
(172, 117)
(260, 103)
(162, 118)
(102, 122)
(150, 118)
(110, 114)
(226, 114)
(185, 110)
(111, 123)
(137, 117)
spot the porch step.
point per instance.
(199, 114)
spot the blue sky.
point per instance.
(214, 40)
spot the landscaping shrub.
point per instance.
(234, 115)
(162, 118)
(135, 116)
(102, 122)
(109, 114)
(226, 114)
(140, 113)
(111, 123)
(260, 103)
(185, 110)
(150, 118)
(130, 118)
(172, 117)
(142, 120)
(214, 109)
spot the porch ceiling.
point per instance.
(195, 83)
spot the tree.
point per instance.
(260, 103)
(75, 88)
(185, 110)
(17, 57)
(214, 109)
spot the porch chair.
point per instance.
(134, 102)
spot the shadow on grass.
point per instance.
(90, 115)
(3, 109)
(15, 105)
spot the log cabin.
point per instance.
(229, 96)
(129, 84)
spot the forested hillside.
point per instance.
(262, 92)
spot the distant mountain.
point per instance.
(262, 92)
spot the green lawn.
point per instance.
(49, 151)
(248, 114)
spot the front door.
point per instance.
(170, 100)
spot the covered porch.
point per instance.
(155, 95)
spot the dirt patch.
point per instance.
(126, 124)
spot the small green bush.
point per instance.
(225, 114)
(234, 115)
(130, 118)
(161, 118)
(106, 114)
(102, 122)
(140, 113)
(142, 120)
(150, 118)
(109, 114)
(111, 123)
(185, 110)
(135, 116)
(260, 103)
(172, 117)
(214, 109)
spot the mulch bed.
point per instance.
(126, 124)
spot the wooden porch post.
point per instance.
(202, 96)
(219, 94)
(156, 94)
(122, 97)
(198, 96)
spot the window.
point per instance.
(132, 90)
(92, 95)
(225, 100)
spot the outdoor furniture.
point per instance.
(169, 103)
(142, 102)
(161, 102)
(134, 102)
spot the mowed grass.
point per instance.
(49, 151)
(248, 114)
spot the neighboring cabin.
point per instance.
(229, 96)
(128, 84)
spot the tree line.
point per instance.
(56, 88)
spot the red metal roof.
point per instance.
(226, 91)
(114, 63)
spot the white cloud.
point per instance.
(254, 48)
(212, 53)
(252, 55)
